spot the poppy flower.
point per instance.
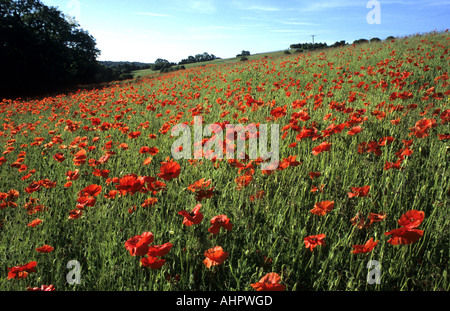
(354, 130)
(404, 236)
(34, 223)
(366, 248)
(259, 195)
(72, 175)
(149, 202)
(130, 183)
(92, 190)
(45, 249)
(204, 194)
(59, 157)
(22, 271)
(134, 135)
(407, 234)
(147, 161)
(169, 170)
(325, 146)
(279, 112)
(75, 213)
(80, 157)
(199, 184)
(159, 250)
(313, 240)
(139, 244)
(220, 221)
(192, 218)
(152, 262)
(269, 282)
(33, 187)
(313, 175)
(373, 217)
(101, 173)
(243, 181)
(43, 288)
(359, 192)
(322, 208)
(411, 219)
(215, 256)
(422, 127)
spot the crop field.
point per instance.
(94, 196)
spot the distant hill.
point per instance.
(128, 65)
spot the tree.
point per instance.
(41, 50)
(243, 53)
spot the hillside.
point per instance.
(350, 173)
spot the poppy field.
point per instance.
(88, 180)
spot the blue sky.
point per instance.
(144, 30)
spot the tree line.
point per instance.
(300, 47)
(42, 50)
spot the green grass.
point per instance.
(267, 234)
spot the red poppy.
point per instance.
(407, 234)
(404, 236)
(22, 271)
(313, 175)
(43, 288)
(92, 190)
(376, 217)
(279, 112)
(354, 130)
(34, 223)
(134, 135)
(139, 244)
(192, 218)
(147, 161)
(131, 184)
(359, 192)
(322, 208)
(204, 194)
(215, 256)
(313, 240)
(101, 173)
(422, 127)
(80, 157)
(149, 202)
(390, 165)
(325, 146)
(159, 250)
(411, 219)
(75, 214)
(152, 262)
(44, 249)
(59, 157)
(169, 170)
(259, 195)
(269, 282)
(220, 221)
(199, 184)
(243, 181)
(2, 160)
(366, 248)
(72, 175)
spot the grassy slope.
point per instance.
(267, 235)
